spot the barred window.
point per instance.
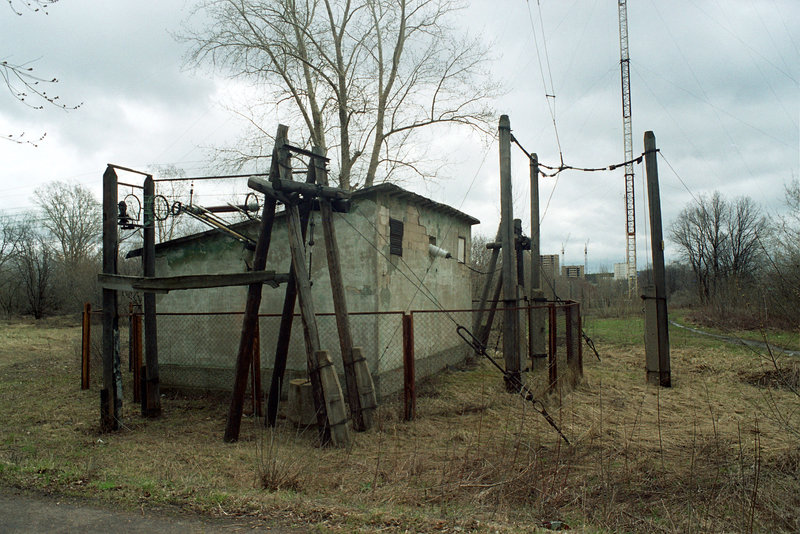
(395, 237)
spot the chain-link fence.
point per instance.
(197, 351)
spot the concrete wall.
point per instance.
(200, 351)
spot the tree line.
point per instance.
(49, 259)
(735, 263)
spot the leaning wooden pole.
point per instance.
(244, 357)
(477, 324)
(287, 320)
(151, 403)
(111, 394)
(656, 321)
(361, 412)
(510, 315)
(310, 331)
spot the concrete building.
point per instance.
(387, 266)
(572, 271)
(550, 267)
(620, 271)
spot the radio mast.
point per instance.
(627, 128)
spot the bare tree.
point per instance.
(73, 217)
(719, 239)
(9, 250)
(36, 267)
(22, 81)
(361, 75)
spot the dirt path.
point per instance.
(739, 341)
(21, 512)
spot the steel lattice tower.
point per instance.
(630, 212)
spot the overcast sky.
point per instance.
(717, 81)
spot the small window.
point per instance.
(461, 254)
(432, 240)
(395, 237)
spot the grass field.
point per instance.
(718, 452)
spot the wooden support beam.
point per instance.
(152, 400)
(282, 186)
(477, 323)
(486, 329)
(310, 332)
(111, 394)
(194, 281)
(287, 320)
(250, 320)
(362, 418)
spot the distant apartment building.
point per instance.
(550, 266)
(620, 271)
(572, 271)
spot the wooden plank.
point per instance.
(253, 303)
(334, 400)
(166, 284)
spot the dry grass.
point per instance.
(715, 453)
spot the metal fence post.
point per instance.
(409, 389)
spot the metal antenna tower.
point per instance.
(630, 212)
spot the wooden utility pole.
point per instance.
(510, 315)
(151, 402)
(310, 331)
(537, 351)
(287, 319)
(361, 413)
(250, 319)
(656, 319)
(111, 394)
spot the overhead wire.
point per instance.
(549, 93)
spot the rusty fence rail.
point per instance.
(197, 351)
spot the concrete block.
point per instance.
(301, 403)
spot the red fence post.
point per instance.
(409, 389)
(86, 344)
(136, 353)
(553, 353)
(568, 335)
